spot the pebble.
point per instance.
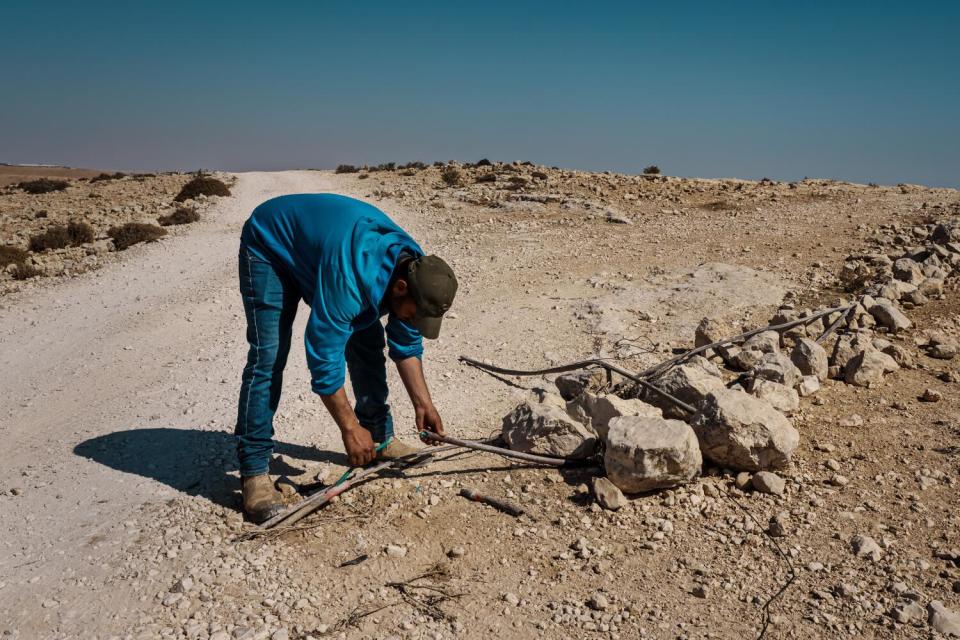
(511, 598)
(866, 547)
(598, 602)
(768, 482)
(456, 552)
(395, 551)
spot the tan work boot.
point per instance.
(261, 500)
(394, 450)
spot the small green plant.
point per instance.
(43, 185)
(346, 168)
(12, 255)
(182, 215)
(53, 237)
(202, 186)
(652, 170)
(452, 177)
(131, 233)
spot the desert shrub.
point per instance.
(202, 186)
(182, 215)
(413, 165)
(408, 172)
(486, 177)
(346, 168)
(438, 163)
(25, 270)
(386, 166)
(483, 162)
(12, 255)
(452, 177)
(539, 175)
(80, 232)
(652, 170)
(40, 214)
(105, 177)
(517, 180)
(363, 176)
(131, 233)
(55, 237)
(43, 185)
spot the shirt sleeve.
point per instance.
(403, 340)
(328, 329)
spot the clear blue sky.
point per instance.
(865, 91)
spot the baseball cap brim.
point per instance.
(429, 327)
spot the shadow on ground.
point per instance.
(193, 461)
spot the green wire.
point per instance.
(349, 472)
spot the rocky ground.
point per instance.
(121, 488)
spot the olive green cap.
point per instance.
(433, 287)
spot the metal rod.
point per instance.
(507, 453)
(496, 503)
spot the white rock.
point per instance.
(942, 619)
(741, 432)
(608, 495)
(777, 367)
(596, 410)
(395, 551)
(866, 547)
(690, 382)
(808, 386)
(810, 358)
(781, 397)
(646, 453)
(542, 425)
(888, 315)
(868, 367)
(768, 482)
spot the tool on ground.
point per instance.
(507, 453)
(496, 503)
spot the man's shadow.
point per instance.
(190, 460)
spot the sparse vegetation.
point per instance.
(53, 237)
(483, 162)
(80, 232)
(12, 255)
(452, 177)
(202, 186)
(43, 185)
(652, 170)
(132, 233)
(413, 165)
(25, 270)
(182, 215)
(363, 176)
(346, 168)
(106, 177)
(538, 175)
(486, 177)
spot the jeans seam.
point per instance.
(256, 362)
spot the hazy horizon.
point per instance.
(863, 92)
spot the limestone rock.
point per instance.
(765, 342)
(690, 382)
(942, 619)
(711, 330)
(868, 368)
(741, 432)
(645, 453)
(781, 397)
(571, 385)
(889, 316)
(542, 425)
(608, 495)
(865, 547)
(596, 410)
(810, 358)
(777, 367)
(907, 270)
(808, 386)
(768, 482)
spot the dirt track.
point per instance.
(120, 384)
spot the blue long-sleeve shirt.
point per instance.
(341, 253)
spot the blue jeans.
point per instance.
(270, 299)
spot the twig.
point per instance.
(355, 616)
(496, 503)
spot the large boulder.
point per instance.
(690, 382)
(868, 367)
(777, 367)
(810, 358)
(645, 453)
(596, 410)
(541, 424)
(741, 432)
(765, 342)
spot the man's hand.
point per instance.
(359, 445)
(429, 420)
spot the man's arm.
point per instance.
(411, 372)
(356, 439)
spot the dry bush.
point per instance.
(106, 177)
(486, 177)
(538, 175)
(408, 172)
(12, 255)
(452, 177)
(413, 165)
(346, 168)
(55, 237)
(363, 176)
(202, 186)
(25, 270)
(132, 233)
(43, 185)
(80, 233)
(652, 170)
(483, 162)
(518, 180)
(183, 215)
